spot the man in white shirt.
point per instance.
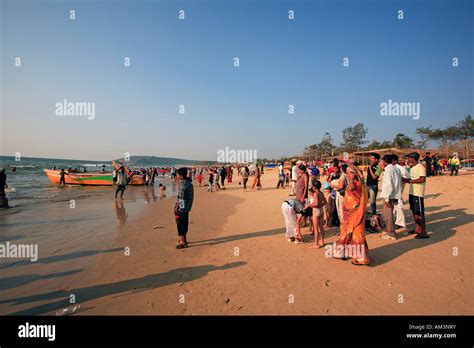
(294, 177)
(398, 209)
(391, 193)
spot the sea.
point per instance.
(28, 184)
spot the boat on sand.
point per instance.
(90, 178)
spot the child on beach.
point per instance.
(211, 181)
(216, 180)
(317, 201)
(162, 191)
(328, 207)
(200, 179)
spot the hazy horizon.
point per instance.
(105, 160)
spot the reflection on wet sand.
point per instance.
(121, 212)
(149, 194)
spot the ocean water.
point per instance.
(28, 184)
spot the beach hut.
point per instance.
(363, 156)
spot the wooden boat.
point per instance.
(89, 179)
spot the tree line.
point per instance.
(354, 139)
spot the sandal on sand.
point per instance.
(358, 263)
(181, 246)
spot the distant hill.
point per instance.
(153, 161)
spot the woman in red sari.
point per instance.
(352, 241)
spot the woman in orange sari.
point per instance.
(352, 241)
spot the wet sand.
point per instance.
(238, 262)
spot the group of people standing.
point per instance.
(148, 174)
(342, 201)
(313, 204)
(435, 165)
(394, 179)
(246, 172)
(217, 177)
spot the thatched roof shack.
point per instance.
(363, 156)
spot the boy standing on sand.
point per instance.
(328, 207)
(317, 202)
(183, 206)
(200, 178)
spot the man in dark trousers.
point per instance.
(184, 203)
(373, 173)
(417, 183)
(427, 161)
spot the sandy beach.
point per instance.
(239, 261)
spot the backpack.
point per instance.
(374, 223)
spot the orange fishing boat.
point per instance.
(89, 179)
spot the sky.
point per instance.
(190, 62)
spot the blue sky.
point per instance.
(190, 62)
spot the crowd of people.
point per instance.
(341, 201)
(345, 196)
(436, 165)
(217, 177)
(322, 194)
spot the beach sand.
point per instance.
(239, 261)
